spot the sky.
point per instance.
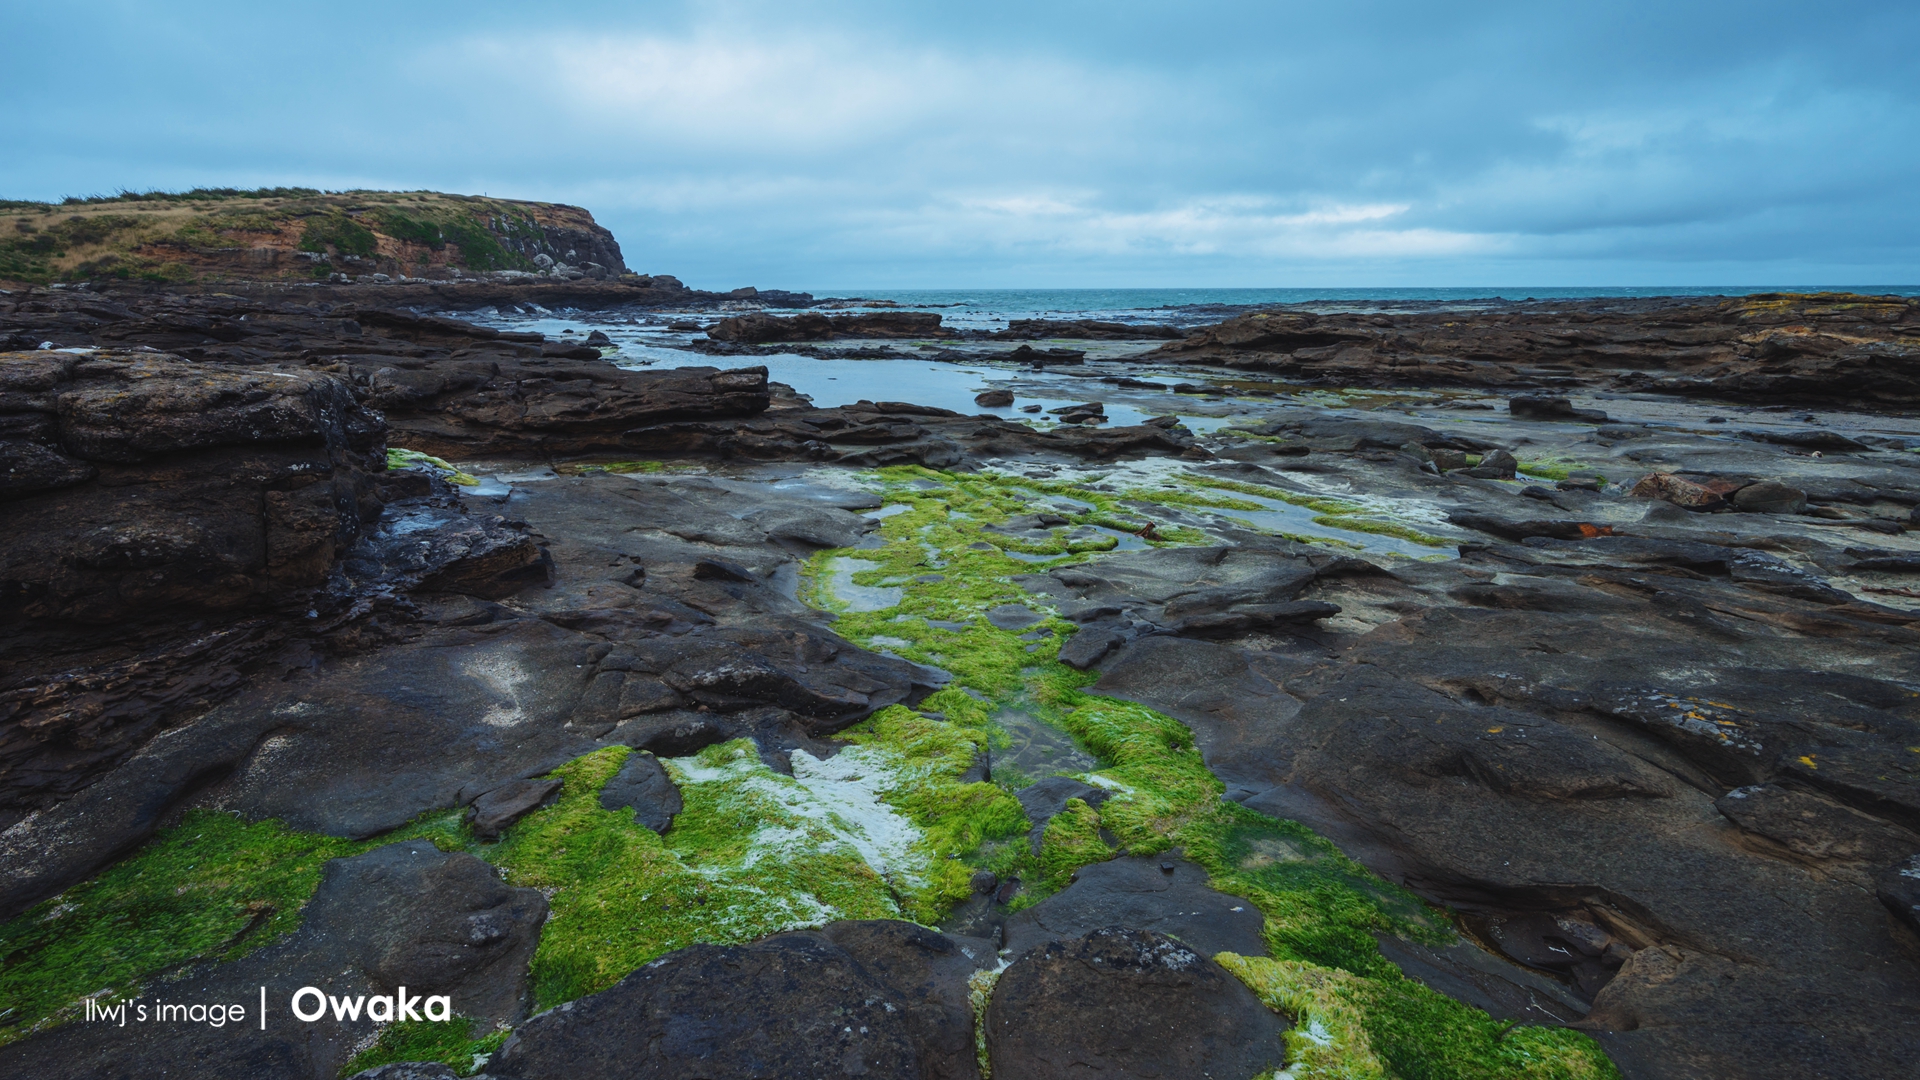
(832, 146)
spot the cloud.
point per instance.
(862, 142)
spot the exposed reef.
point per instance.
(1321, 712)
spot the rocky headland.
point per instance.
(1521, 691)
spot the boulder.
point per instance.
(1495, 465)
(1694, 491)
(1089, 645)
(1770, 497)
(1164, 893)
(994, 399)
(1552, 408)
(1125, 1002)
(644, 786)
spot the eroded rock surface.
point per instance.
(1639, 710)
(852, 999)
(1127, 1003)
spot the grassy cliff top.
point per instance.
(287, 233)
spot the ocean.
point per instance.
(991, 309)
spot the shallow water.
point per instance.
(1038, 749)
(840, 586)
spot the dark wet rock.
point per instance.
(1552, 408)
(1814, 826)
(1042, 329)
(1495, 465)
(495, 811)
(1770, 497)
(1809, 440)
(1568, 943)
(759, 328)
(408, 1070)
(852, 999)
(457, 696)
(1486, 980)
(27, 467)
(1253, 618)
(1520, 528)
(1130, 1003)
(1089, 646)
(1779, 347)
(1014, 616)
(1045, 798)
(1074, 414)
(1027, 354)
(434, 545)
(1774, 575)
(402, 915)
(1885, 561)
(1166, 895)
(1898, 887)
(992, 399)
(643, 785)
(154, 485)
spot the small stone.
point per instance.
(1166, 868)
(985, 881)
(994, 399)
(1552, 408)
(492, 813)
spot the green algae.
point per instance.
(619, 467)
(755, 852)
(1347, 1027)
(744, 859)
(448, 1041)
(1357, 1015)
(1382, 528)
(398, 458)
(210, 889)
(1332, 513)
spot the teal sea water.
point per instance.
(992, 308)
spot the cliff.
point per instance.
(301, 234)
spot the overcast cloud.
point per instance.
(836, 146)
